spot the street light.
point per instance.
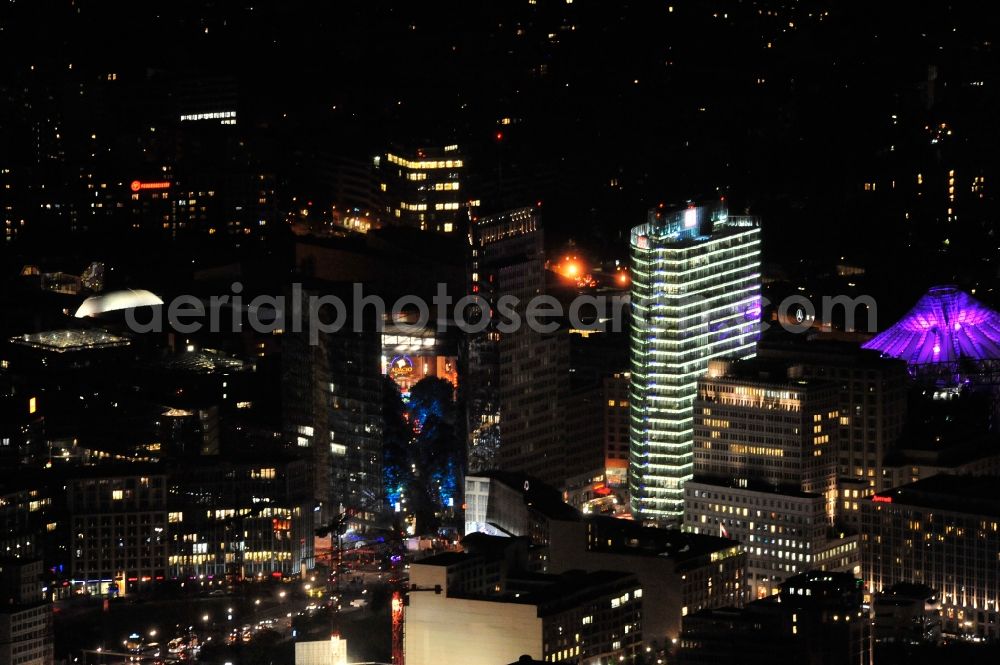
(205, 618)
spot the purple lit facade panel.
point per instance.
(946, 324)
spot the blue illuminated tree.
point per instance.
(396, 436)
(423, 456)
(438, 452)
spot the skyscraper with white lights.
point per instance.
(695, 297)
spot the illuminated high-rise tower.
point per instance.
(695, 297)
(423, 189)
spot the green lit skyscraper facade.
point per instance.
(695, 297)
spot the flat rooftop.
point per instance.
(555, 592)
(65, 341)
(617, 536)
(975, 495)
(725, 484)
(767, 372)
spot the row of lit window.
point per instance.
(425, 163)
(740, 449)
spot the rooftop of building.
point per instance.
(689, 226)
(975, 495)
(909, 591)
(618, 536)
(944, 454)
(762, 372)
(817, 349)
(541, 497)
(576, 584)
(552, 592)
(69, 340)
(523, 586)
(822, 579)
(443, 559)
(426, 151)
(791, 492)
(113, 469)
(493, 547)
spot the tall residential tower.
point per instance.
(695, 297)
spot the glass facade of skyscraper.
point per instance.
(695, 297)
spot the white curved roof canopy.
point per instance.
(117, 300)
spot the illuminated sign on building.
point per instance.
(882, 499)
(400, 366)
(138, 185)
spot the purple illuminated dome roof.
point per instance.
(946, 324)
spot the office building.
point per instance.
(501, 503)
(25, 513)
(975, 456)
(517, 379)
(423, 188)
(755, 422)
(684, 572)
(941, 532)
(765, 444)
(873, 401)
(118, 529)
(597, 418)
(908, 614)
(681, 573)
(332, 416)
(695, 296)
(25, 616)
(321, 652)
(21, 422)
(482, 607)
(783, 532)
(817, 619)
(597, 404)
(231, 201)
(239, 518)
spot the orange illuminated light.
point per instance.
(138, 185)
